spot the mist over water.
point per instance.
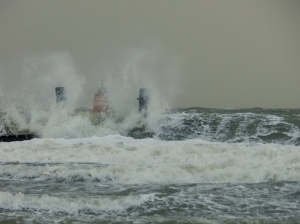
(142, 68)
(33, 80)
(28, 95)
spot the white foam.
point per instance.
(30, 103)
(53, 204)
(129, 161)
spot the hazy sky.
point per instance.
(218, 53)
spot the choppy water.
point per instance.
(246, 125)
(199, 166)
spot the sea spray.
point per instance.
(40, 75)
(142, 68)
(30, 97)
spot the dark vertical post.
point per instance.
(60, 94)
(143, 99)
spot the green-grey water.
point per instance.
(198, 166)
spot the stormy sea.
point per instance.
(192, 165)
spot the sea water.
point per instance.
(185, 166)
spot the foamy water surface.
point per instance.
(121, 179)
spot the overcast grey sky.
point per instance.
(218, 53)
